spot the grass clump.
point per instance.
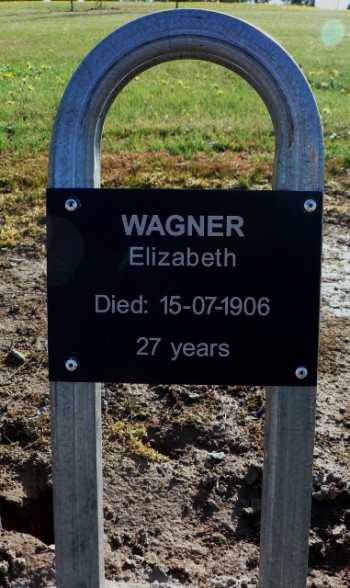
(135, 438)
(22, 203)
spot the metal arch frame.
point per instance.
(188, 34)
(75, 163)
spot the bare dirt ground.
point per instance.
(182, 464)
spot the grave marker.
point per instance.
(200, 291)
(75, 165)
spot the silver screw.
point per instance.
(72, 204)
(71, 364)
(301, 372)
(310, 205)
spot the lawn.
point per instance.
(189, 111)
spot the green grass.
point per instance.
(186, 108)
(178, 110)
(183, 107)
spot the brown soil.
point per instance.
(173, 513)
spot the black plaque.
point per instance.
(184, 286)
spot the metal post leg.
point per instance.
(287, 486)
(77, 477)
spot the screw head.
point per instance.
(301, 372)
(310, 205)
(71, 364)
(72, 204)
